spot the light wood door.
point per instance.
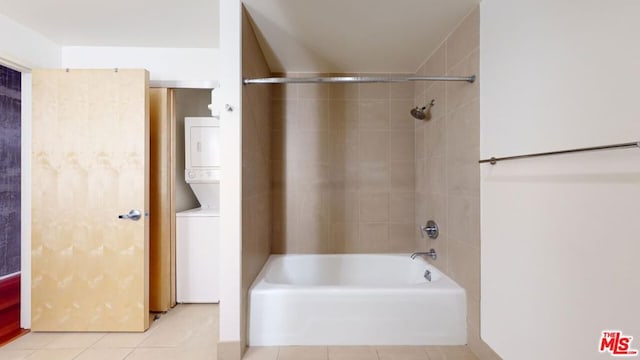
(162, 223)
(90, 164)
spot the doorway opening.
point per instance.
(10, 197)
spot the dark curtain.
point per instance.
(10, 88)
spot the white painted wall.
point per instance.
(560, 239)
(26, 48)
(170, 64)
(230, 92)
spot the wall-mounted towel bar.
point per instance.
(494, 160)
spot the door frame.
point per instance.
(25, 168)
(25, 190)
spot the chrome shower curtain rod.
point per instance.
(355, 79)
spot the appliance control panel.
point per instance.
(210, 175)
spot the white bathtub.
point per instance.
(359, 299)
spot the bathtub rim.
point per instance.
(444, 284)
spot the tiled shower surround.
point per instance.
(447, 170)
(352, 172)
(343, 168)
(10, 88)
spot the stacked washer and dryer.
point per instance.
(197, 230)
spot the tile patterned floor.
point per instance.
(186, 332)
(360, 353)
(190, 332)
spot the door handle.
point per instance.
(134, 215)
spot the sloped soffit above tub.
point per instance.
(347, 36)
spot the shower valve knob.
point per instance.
(431, 229)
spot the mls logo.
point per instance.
(614, 342)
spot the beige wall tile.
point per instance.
(436, 65)
(464, 267)
(466, 212)
(284, 91)
(460, 93)
(344, 176)
(447, 180)
(419, 86)
(313, 91)
(370, 91)
(374, 114)
(473, 314)
(463, 177)
(422, 204)
(309, 146)
(313, 114)
(436, 173)
(463, 133)
(374, 206)
(344, 153)
(436, 91)
(312, 176)
(436, 210)
(402, 176)
(419, 141)
(373, 146)
(278, 145)
(399, 113)
(419, 100)
(422, 176)
(344, 206)
(435, 137)
(401, 238)
(374, 176)
(313, 205)
(344, 238)
(283, 114)
(311, 237)
(343, 119)
(357, 155)
(401, 145)
(374, 237)
(401, 90)
(465, 39)
(344, 91)
(402, 207)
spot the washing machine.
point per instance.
(198, 230)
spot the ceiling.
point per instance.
(392, 36)
(145, 23)
(385, 36)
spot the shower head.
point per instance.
(419, 113)
(423, 113)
